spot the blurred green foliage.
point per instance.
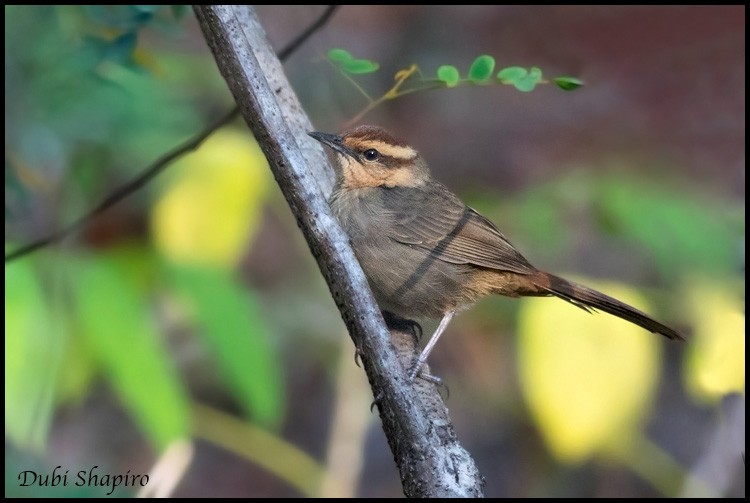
(682, 230)
(32, 357)
(85, 80)
(233, 327)
(679, 231)
(114, 316)
(90, 101)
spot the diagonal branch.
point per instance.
(164, 161)
(430, 460)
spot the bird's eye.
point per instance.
(371, 154)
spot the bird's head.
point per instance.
(369, 156)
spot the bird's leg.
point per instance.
(430, 345)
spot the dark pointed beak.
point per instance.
(334, 141)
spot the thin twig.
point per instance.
(164, 161)
(124, 191)
(302, 37)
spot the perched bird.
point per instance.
(424, 252)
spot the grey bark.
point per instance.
(415, 420)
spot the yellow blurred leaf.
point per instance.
(588, 379)
(715, 363)
(213, 206)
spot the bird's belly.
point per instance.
(407, 281)
(411, 283)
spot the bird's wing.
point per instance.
(438, 222)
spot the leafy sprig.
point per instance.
(411, 79)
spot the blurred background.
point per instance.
(188, 334)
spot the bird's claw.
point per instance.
(403, 324)
(357, 356)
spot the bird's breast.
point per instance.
(406, 280)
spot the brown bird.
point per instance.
(424, 252)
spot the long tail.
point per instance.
(589, 299)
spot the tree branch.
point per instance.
(430, 460)
(165, 160)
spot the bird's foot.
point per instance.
(396, 322)
(418, 371)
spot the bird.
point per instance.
(424, 252)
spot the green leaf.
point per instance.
(568, 83)
(116, 321)
(528, 83)
(33, 356)
(481, 69)
(359, 66)
(511, 74)
(525, 84)
(339, 55)
(523, 80)
(233, 327)
(448, 74)
(663, 220)
(348, 63)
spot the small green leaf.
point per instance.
(525, 85)
(350, 64)
(449, 74)
(522, 79)
(528, 83)
(568, 83)
(511, 74)
(339, 55)
(359, 66)
(482, 68)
